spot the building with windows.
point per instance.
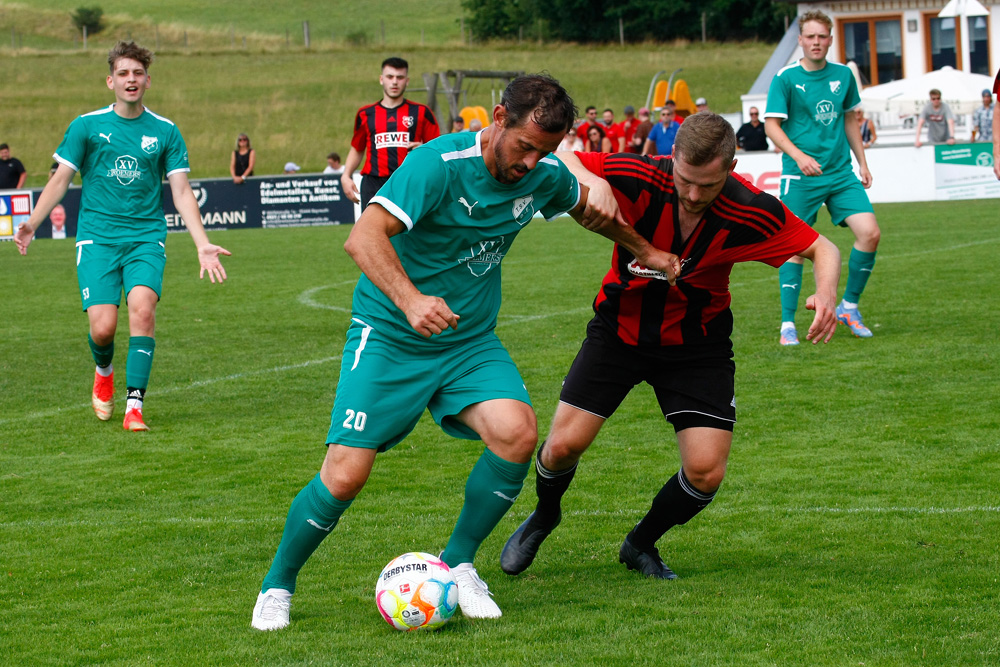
(888, 40)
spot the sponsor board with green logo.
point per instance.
(965, 171)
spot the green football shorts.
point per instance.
(102, 270)
(842, 193)
(385, 384)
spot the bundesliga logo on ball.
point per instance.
(416, 591)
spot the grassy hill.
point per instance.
(298, 104)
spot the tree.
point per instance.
(91, 18)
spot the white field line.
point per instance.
(308, 298)
(171, 390)
(724, 511)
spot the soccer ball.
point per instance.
(416, 591)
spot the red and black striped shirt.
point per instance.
(742, 224)
(383, 134)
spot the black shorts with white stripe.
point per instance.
(694, 385)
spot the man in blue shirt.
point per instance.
(661, 138)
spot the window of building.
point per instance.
(875, 45)
(943, 37)
(979, 45)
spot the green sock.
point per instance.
(103, 354)
(493, 486)
(139, 361)
(790, 279)
(313, 514)
(859, 269)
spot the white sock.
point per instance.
(105, 372)
(133, 403)
(847, 304)
(787, 325)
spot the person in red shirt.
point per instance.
(613, 131)
(627, 128)
(589, 120)
(384, 132)
(670, 328)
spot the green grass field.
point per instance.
(857, 524)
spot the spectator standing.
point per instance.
(570, 142)
(982, 119)
(701, 104)
(661, 137)
(385, 132)
(292, 168)
(458, 124)
(868, 134)
(12, 172)
(597, 141)
(751, 136)
(641, 132)
(589, 120)
(475, 125)
(243, 160)
(627, 128)
(613, 132)
(333, 165)
(939, 119)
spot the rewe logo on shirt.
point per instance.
(126, 169)
(392, 140)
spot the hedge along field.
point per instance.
(299, 105)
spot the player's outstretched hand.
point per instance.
(602, 207)
(208, 257)
(350, 191)
(430, 315)
(23, 237)
(825, 321)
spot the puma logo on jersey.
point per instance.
(461, 200)
(801, 86)
(106, 136)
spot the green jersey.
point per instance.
(122, 162)
(460, 222)
(811, 106)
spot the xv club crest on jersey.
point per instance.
(126, 169)
(825, 112)
(484, 256)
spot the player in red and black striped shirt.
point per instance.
(670, 330)
(384, 132)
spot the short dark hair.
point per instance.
(540, 98)
(333, 156)
(607, 110)
(590, 108)
(395, 63)
(703, 137)
(131, 50)
(4, 147)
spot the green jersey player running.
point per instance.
(430, 245)
(122, 153)
(806, 107)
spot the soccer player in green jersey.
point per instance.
(806, 109)
(122, 153)
(430, 245)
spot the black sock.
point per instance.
(550, 485)
(676, 503)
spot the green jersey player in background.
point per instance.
(422, 335)
(806, 109)
(123, 153)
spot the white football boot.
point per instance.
(474, 595)
(271, 610)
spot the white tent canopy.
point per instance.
(960, 90)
